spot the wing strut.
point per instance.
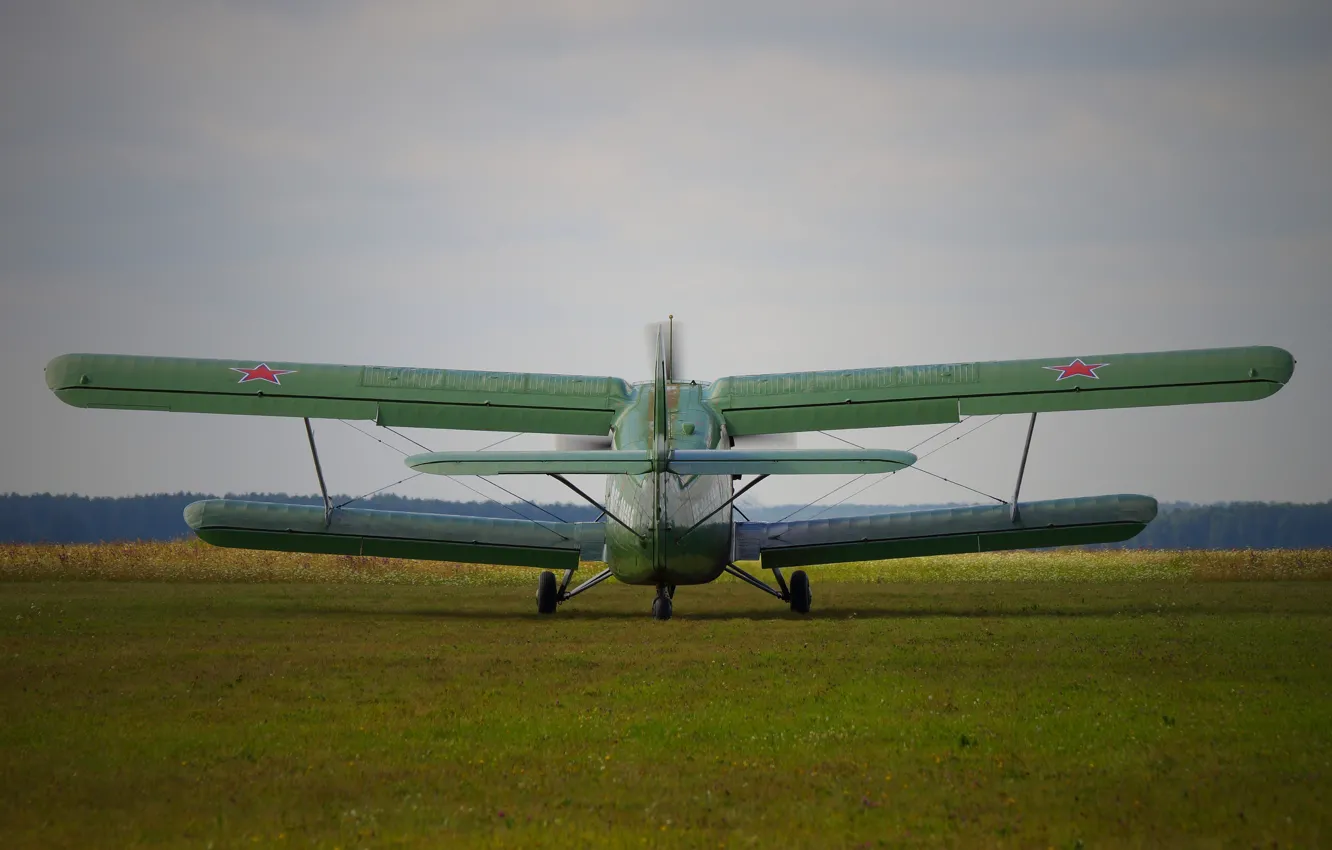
(1022, 468)
(597, 579)
(713, 513)
(319, 472)
(607, 511)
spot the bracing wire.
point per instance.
(508, 508)
(516, 496)
(482, 477)
(864, 474)
(932, 437)
(841, 439)
(922, 457)
(824, 496)
(959, 484)
(373, 437)
(505, 440)
(380, 490)
(959, 437)
(407, 438)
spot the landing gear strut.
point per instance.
(549, 594)
(661, 606)
(798, 594)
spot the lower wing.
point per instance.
(396, 534)
(945, 531)
(921, 395)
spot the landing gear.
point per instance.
(661, 606)
(801, 597)
(548, 593)
(797, 594)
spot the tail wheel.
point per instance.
(801, 597)
(661, 606)
(547, 593)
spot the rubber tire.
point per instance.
(661, 607)
(548, 590)
(801, 597)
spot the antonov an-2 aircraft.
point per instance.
(670, 460)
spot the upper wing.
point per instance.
(944, 531)
(917, 395)
(421, 398)
(396, 534)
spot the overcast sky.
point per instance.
(806, 186)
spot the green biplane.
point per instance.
(670, 457)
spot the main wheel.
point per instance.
(548, 592)
(801, 597)
(661, 607)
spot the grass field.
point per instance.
(1135, 700)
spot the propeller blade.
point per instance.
(582, 443)
(670, 334)
(765, 441)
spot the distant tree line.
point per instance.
(1237, 525)
(81, 519)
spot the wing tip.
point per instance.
(62, 372)
(1280, 368)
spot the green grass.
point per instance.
(1052, 713)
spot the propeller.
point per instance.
(670, 336)
(669, 331)
(582, 443)
(752, 442)
(759, 442)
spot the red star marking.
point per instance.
(1077, 369)
(262, 373)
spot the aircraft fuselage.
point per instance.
(660, 507)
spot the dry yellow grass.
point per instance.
(1097, 565)
(194, 561)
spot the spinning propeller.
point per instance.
(669, 332)
(670, 336)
